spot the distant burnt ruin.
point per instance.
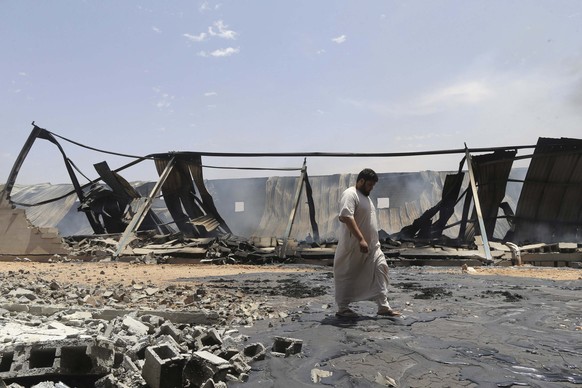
(486, 205)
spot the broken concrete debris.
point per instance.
(155, 249)
(126, 339)
(128, 351)
(120, 356)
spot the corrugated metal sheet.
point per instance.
(550, 205)
(208, 222)
(491, 173)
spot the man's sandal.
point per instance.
(388, 312)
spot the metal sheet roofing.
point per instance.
(550, 205)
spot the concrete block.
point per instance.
(211, 338)
(134, 326)
(129, 365)
(227, 354)
(163, 367)
(168, 340)
(64, 357)
(204, 366)
(137, 350)
(255, 352)
(168, 328)
(239, 364)
(287, 346)
(102, 354)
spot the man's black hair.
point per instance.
(368, 174)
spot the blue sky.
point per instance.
(142, 77)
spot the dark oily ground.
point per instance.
(457, 330)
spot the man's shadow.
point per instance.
(334, 320)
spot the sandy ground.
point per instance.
(126, 273)
(562, 273)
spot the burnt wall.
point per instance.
(261, 206)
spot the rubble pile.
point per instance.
(114, 335)
(226, 249)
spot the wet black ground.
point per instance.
(457, 330)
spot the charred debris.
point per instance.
(475, 217)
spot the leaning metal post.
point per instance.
(5, 194)
(294, 209)
(140, 214)
(478, 206)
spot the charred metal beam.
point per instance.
(195, 167)
(293, 212)
(34, 134)
(40, 133)
(126, 195)
(311, 204)
(143, 210)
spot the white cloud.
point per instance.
(196, 38)
(487, 108)
(446, 98)
(156, 29)
(204, 7)
(23, 74)
(226, 52)
(340, 39)
(164, 99)
(209, 94)
(223, 31)
(464, 93)
(319, 52)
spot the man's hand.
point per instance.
(363, 246)
(353, 227)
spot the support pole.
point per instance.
(143, 209)
(478, 206)
(294, 209)
(5, 194)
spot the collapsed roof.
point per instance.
(460, 206)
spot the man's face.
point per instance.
(365, 187)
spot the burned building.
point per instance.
(488, 198)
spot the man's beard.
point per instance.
(364, 191)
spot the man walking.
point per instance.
(360, 269)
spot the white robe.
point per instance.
(359, 276)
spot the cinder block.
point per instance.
(255, 351)
(212, 338)
(135, 327)
(287, 346)
(6, 360)
(239, 364)
(75, 360)
(66, 357)
(204, 366)
(163, 367)
(168, 328)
